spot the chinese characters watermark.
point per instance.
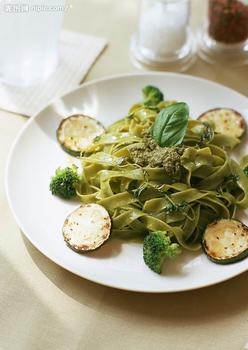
(25, 8)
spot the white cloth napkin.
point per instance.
(78, 52)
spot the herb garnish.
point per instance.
(245, 170)
(176, 207)
(138, 191)
(170, 125)
(207, 134)
(231, 178)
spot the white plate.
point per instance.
(36, 154)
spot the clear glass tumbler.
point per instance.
(224, 35)
(29, 40)
(163, 39)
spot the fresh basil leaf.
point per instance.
(170, 125)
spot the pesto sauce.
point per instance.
(148, 154)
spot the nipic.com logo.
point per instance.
(10, 7)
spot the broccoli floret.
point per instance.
(63, 183)
(152, 95)
(157, 246)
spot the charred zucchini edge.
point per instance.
(60, 127)
(242, 254)
(103, 220)
(204, 117)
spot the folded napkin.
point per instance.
(78, 52)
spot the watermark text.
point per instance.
(25, 8)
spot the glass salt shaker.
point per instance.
(224, 35)
(163, 40)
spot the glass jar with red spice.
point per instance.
(224, 36)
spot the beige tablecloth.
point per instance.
(43, 307)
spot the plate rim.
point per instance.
(31, 120)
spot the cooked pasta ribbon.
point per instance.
(142, 198)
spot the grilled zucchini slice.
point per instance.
(87, 228)
(226, 241)
(77, 132)
(226, 120)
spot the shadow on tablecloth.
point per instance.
(198, 306)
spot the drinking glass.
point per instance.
(163, 39)
(29, 40)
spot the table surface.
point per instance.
(42, 306)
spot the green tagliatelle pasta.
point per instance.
(142, 198)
